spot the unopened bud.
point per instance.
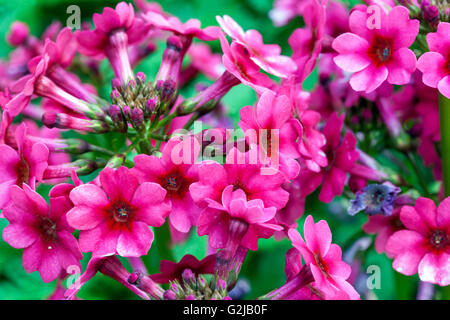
(18, 34)
(188, 276)
(141, 77)
(137, 118)
(169, 295)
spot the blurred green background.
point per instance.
(263, 269)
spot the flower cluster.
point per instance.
(135, 168)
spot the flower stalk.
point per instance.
(444, 116)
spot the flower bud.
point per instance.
(431, 14)
(188, 276)
(137, 118)
(169, 295)
(141, 77)
(18, 34)
(115, 83)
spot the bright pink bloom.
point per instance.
(24, 165)
(311, 140)
(170, 271)
(109, 266)
(424, 246)
(342, 157)
(241, 174)
(114, 219)
(378, 54)
(325, 260)
(236, 221)
(237, 60)
(43, 232)
(274, 114)
(435, 65)
(267, 56)
(115, 30)
(306, 42)
(175, 171)
(192, 27)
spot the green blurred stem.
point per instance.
(444, 116)
(419, 174)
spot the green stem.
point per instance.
(444, 116)
(419, 174)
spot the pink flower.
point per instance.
(171, 271)
(306, 42)
(236, 221)
(424, 246)
(383, 227)
(435, 65)
(110, 266)
(239, 173)
(266, 56)
(114, 219)
(274, 114)
(378, 54)
(342, 157)
(325, 260)
(43, 232)
(237, 60)
(115, 30)
(24, 165)
(192, 27)
(175, 171)
(311, 140)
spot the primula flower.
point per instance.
(109, 266)
(311, 140)
(424, 246)
(378, 54)
(175, 171)
(114, 217)
(237, 60)
(115, 30)
(306, 42)
(236, 221)
(342, 157)
(239, 173)
(170, 271)
(24, 165)
(274, 114)
(435, 65)
(267, 56)
(190, 29)
(43, 232)
(324, 258)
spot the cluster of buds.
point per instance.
(197, 287)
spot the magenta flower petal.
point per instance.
(369, 79)
(435, 269)
(135, 243)
(405, 245)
